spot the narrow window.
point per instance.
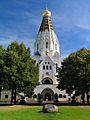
(56, 67)
(55, 46)
(46, 45)
(44, 67)
(60, 95)
(47, 67)
(50, 67)
(6, 96)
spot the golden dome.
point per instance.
(46, 13)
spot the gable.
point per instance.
(47, 60)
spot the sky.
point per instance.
(20, 21)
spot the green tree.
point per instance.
(20, 69)
(74, 74)
(2, 52)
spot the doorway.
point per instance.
(47, 94)
(47, 97)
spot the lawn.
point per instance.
(34, 113)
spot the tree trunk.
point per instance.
(0, 93)
(87, 97)
(83, 98)
(12, 96)
(15, 95)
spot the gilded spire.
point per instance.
(46, 13)
(46, 22)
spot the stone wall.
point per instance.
(6, 95)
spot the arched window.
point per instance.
(50, 67)
(37, 47)
(47, 81)
(47, 67)
(55, 46)
(64, 96)
(60, 95)
(44, 67)
(46, 45)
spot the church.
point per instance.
(47, 56)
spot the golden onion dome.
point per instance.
(46, 13)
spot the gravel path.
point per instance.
(16, 107)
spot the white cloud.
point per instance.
(84, 24)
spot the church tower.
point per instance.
(47, 42)
(47, 56)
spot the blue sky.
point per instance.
(20, 20)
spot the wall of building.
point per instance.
(6, 95)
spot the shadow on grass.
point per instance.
(50, 115)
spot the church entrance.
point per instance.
(47, 97)
(48, 94)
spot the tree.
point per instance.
(2, 52)
(20, 69)
(75, 74)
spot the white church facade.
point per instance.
(47, 56)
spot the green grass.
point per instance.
(35, 113)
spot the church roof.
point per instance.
(46, 22)
(37, 53)
(56, 55)
(48, 59)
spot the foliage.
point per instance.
(19, 69)
(2, 51)
(74, 74)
